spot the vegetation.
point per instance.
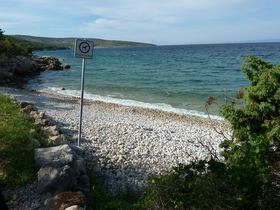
(10, 48)
(248, 178)
(45, 43)
(17, 164)
(103, 200)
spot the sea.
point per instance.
(170, 78)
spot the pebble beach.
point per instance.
(126, 144)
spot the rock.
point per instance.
(75, 207)
(56, 140)
(14, 69)
(48, 63)
(50, 130)
(59, 155)
(64, 200)
(56, 178)
(67, 66)
(61, 169)
(29, 108)
(41, 114)
(63, 88)
(24, 104)
(45, 122)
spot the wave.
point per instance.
(128, 102)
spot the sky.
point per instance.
(162, 22)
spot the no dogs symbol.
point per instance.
(84, 48)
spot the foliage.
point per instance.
(248, 178)
(254, 152)
(9, 48)
(199, 185)
(16, 147)
(101, 199)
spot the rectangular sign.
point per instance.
(83, 48)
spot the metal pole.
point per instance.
(82, 100)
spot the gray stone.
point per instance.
(41, 114)
(61, 169)
(59, 155)
(55, 178)
(75, 207)
(67, 66)
(24, 104)
(50, 130)
(29, 108)
(56, 140)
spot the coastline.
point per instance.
(128, 144)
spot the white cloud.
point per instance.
(157, 21)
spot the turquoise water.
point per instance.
(180, 77)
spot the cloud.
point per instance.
(157, 21)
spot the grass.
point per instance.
(17, 164)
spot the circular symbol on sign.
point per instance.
(84, 47)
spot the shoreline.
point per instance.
(128, 144)
(156, 107)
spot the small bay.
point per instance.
(176, 78)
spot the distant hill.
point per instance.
(46, 43)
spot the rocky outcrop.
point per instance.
(47, 63)
(13, 70)
(67, 66)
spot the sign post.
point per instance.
(83, 49)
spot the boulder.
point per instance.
(48, 63)
(59, 155)
(50, 130)
(56, 178)
(67, 66)
(24, 104)
(64, 200)
(75, 207)
(56, 140)
(13, 69)
(29, 108)
(61, 169)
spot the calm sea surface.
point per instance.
(174, 78)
